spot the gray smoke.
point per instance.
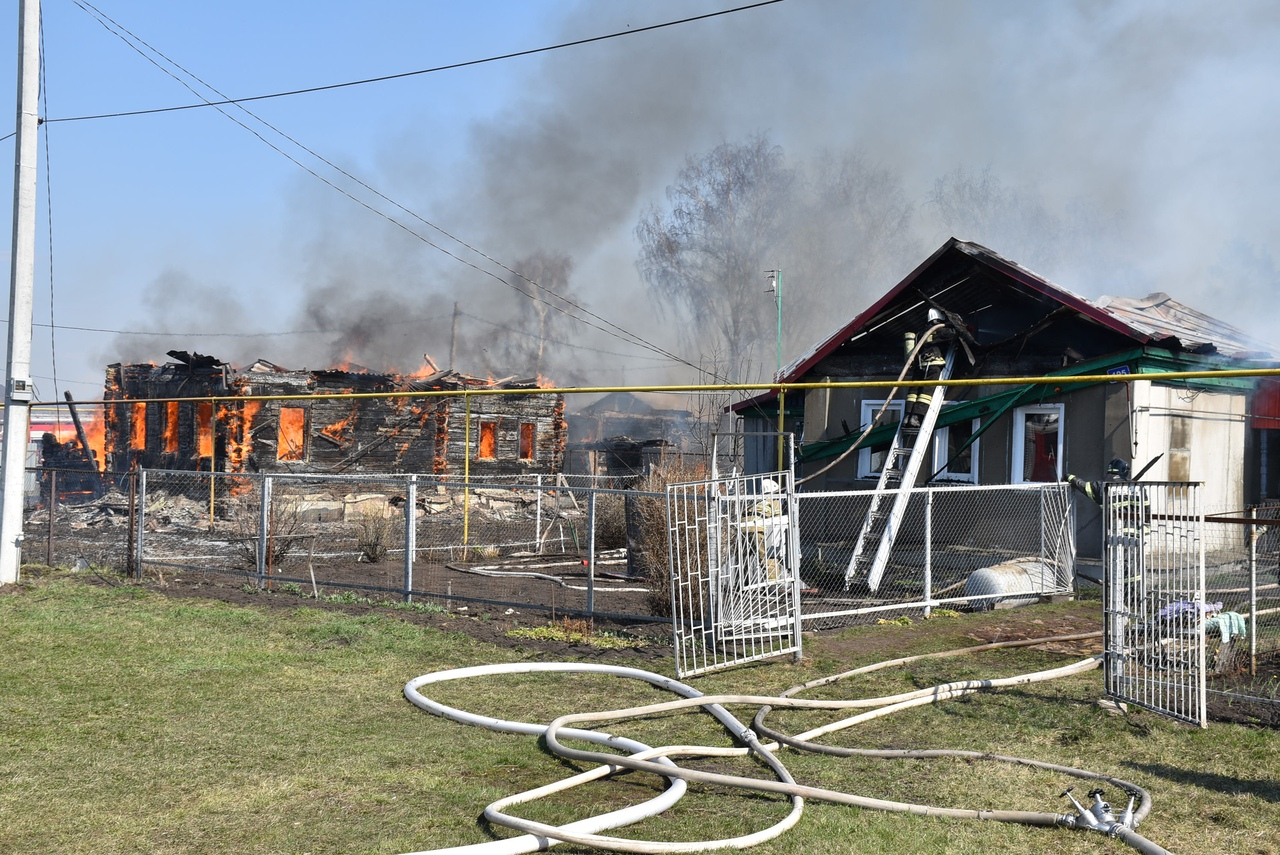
(1115, 148)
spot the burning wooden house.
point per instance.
(337, 420)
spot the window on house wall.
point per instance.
(488, 441)
(871, 460)
(527, 435)
(291, 438)
(204, 429)
(949, 461)
(171, 410)
(1037, 443)
(138, 427)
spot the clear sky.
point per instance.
(1159, 119)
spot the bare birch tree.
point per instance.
(703, 254)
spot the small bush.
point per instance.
(611, 521)
(377, 530)
(648, 541)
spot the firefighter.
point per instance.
(928, 369)
(1117, 470)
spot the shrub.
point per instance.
(376, 531)
(647, 528)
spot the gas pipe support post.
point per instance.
(22, 275)
(410, 534)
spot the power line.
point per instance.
(556, 341)
(401, 75)
(612, 329)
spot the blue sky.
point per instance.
(1160, 120)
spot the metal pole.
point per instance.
(53, 511)
(264, 518)
(466, 475)
(22, 276)
(928, 551)
(591, 552)
(1253, 592)
(142, 522)
(537, 527)
(410, 534)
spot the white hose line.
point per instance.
(904, 701)
(542, 837)
(582, 832)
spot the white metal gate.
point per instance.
(735, 589)
(1154, 598)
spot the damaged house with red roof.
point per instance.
(1012, 323)
(197, 413)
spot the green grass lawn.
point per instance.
(132, 722)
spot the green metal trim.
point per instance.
(1001, 403)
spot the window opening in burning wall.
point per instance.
(138, 427)
(204, 420)
(171, 410)
(526, 440)
(488, 441)
(292, 434)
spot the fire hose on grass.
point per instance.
(536, 836)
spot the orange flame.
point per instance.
(239, 420)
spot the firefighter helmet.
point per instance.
(1118, 470)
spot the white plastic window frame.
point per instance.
(1018, 461)
(941, 442)
(869, 410)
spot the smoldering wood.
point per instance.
(338, 433)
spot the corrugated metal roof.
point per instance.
(1160, 316)
(1156, 320)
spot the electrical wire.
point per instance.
(404, 74)
(48, 190)
(608, 327)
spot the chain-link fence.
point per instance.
(965, 547)
(553, 544)
(1242, 587)
(79, 518)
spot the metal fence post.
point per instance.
(53, 509)
(1253, 593)
(142, 521)
(537, 527)
(410, 534)
(928, 551)
(264, 524)
(591, 552)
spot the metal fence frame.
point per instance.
(262, 496)
(1154, 606)
(1024, 563)
(735, 595)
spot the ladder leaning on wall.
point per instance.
(902, 464)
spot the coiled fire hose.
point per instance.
(537, 836)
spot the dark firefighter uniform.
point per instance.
(928, 369)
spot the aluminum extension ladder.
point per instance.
(897, 478)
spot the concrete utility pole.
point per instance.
(17, 400)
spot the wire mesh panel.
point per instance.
(735, 589)
(1154, 598)
(79, 519)
(508, 544)
(973, 547)
(1242, 583)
